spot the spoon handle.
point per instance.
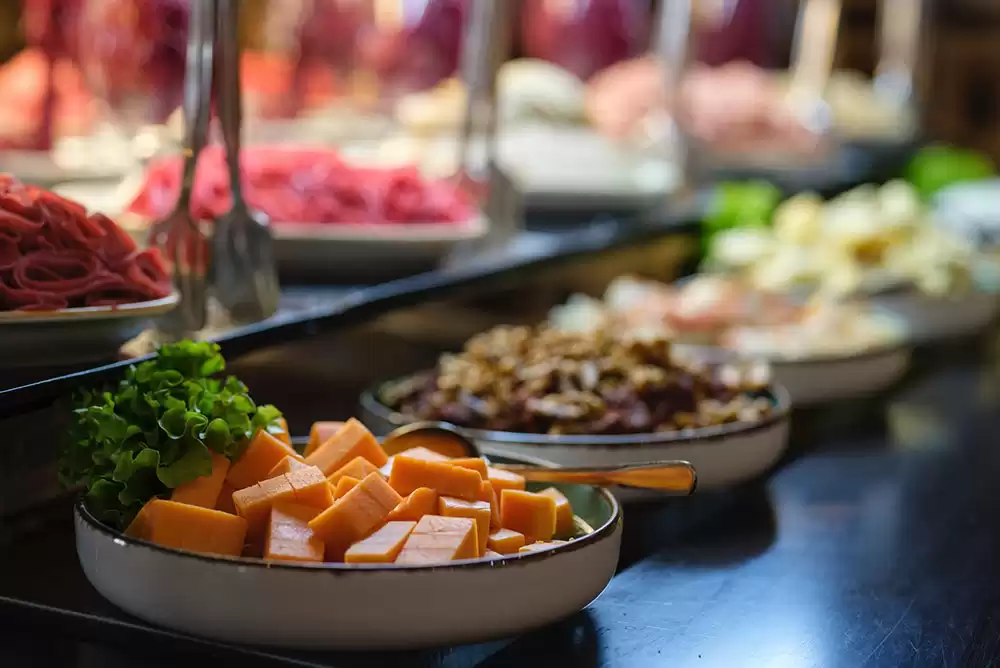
(230, 100)
(674, 477)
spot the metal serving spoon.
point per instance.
(244, 273)
(671, 477)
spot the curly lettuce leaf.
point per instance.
(157, 428)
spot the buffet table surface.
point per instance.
(874, 544)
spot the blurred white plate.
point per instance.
(73, 336)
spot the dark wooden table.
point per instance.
(876, 544)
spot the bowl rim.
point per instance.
(779, 395)
(606, 530)
(149, 308)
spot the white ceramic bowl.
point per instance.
(813, 381)
(76, 335)
(723, 456)
(932, 319)
(336, 606)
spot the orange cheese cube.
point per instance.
(289, 537)
(305, 486)
(344, 485)
(437, 540)
(186, 527)
(287, 465)
(355, 515)
(254, 504)
(358, 468)
(477, 464)
(225, 500)
(319, 434)
(352, 440)
(382, 547)
(409, 474)
(280, 431)
(310, 487)
(564, 512)
(489, 495)
(502, 480)
(263, 453)
(541, 545)
(413, 453)
(420, 502)
(478, 510)
(204, 490)
(505, 541)
(529, 513)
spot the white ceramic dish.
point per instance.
(816, 379)
(71, 336)
(356, 252)
(932, 319)
(723, 456)
(334, 606)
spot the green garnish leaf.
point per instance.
(157, 428)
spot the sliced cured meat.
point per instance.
(53, 256)
(305, 186)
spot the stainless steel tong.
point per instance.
(244, 273)
(178, 235)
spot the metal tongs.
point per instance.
(244, 272)
(179, 235)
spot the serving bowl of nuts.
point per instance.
(598, 397)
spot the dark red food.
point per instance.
(54, 256)
(585, 36)
(305, 186)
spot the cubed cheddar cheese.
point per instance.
(310, 487)
(420, 502)
(355, 515)
(204, 490)
(306, 487)
(344, 485)
(489, 495)
(502, 480)
(186, 527)
(564, 512)
(357, 468)
(477, 464)
(289, 537)
(225, 500)
(287, 465)
(319, 434)
(413, 453)
(438, 540)
(382, 547)
(262, 454)
(505, 541)
(478, 510)
(409, 474)
(352, 440)
(531, 514)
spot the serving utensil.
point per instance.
(671, 477)
(244, 272)
(178, 234)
